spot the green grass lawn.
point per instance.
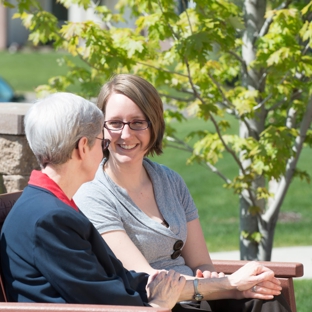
(303, 290)
(28, 69)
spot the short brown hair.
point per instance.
(146, 97)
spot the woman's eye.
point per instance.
(115, 123)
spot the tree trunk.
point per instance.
(250, 223)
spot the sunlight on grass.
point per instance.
(25, 71)
(303, 291)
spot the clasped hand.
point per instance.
(255, 274)
(164, 288)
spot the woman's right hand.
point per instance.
(164, 288)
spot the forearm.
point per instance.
(211, 289)
(237, 285)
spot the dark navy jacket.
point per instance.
(52, 253)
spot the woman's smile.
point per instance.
(127, 147)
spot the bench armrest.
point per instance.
(281, 269)
(284, 271)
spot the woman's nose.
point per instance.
(126, 131)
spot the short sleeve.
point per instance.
(183, 194)
(99, 203)
(99, 206)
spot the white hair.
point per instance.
(55, 124)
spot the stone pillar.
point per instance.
(16, 158)
(3, 27)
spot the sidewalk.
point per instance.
(302, 254)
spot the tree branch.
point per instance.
(225, 99)
(174, 139)
(281, 102)
(243, 63)
(217, 172)
(190, 99)
(173, 32)
(306, 49)
(161, 69)
(188, 148)
(285, 180)
(262, 103)
(227, 103)
(266, 25)
(188, 18)
(228, 149)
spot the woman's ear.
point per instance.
(82, 147)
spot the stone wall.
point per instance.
(16, 158)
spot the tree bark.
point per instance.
(254, 11)
(264, 222)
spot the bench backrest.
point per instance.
(7, 201)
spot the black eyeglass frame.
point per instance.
(177, 247)
(105, 143)
(127, 123)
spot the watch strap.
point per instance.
(197, 296)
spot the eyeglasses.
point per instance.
(137, 125)
(105, 144)
(177, 249)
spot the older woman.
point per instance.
(145, 212)
(50, 252)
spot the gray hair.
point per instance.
(55, 124)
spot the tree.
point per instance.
(255, 66)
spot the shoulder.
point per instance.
(39, 214)
(38, 205)
(159, 169)
(101, 191)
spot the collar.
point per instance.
(37, 178)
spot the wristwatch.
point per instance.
(197, 296)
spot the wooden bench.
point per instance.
(66, 307)
(284, 271)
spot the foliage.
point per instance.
(216, 62)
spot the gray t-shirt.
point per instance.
(109, 208)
